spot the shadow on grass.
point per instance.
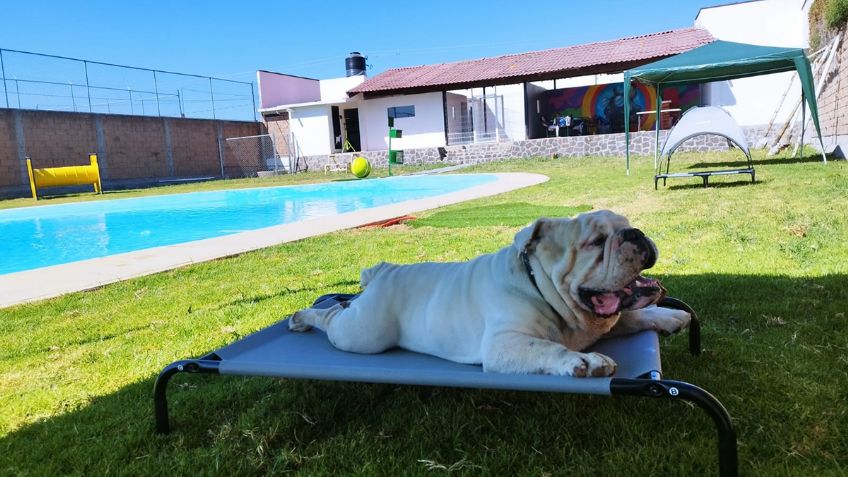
(286, 291)
(766, 342)
(777, 161)
(700, 184)
(511, 214)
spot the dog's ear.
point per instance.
(527, 237)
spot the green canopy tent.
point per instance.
(718, 61)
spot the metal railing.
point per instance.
(58, 83)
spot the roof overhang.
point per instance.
(610, 68)
(613, 56)
(286, 107)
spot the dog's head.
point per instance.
(594, 261)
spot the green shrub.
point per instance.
(826, 15)
(836, 12)
(816, 21)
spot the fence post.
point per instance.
(220, 136)
(253, 99)
(87, 86)
(3, 72)
(212, 94)
(73, 99)
(156, 92)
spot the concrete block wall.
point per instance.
(279, 127)
(131, 149)
(10, 168)
(833, 102)
(134, 147)
(53, 141)
(194, 154)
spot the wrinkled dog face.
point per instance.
(595, 260)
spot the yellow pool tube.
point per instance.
(64, 176)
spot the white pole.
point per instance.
(830, 55)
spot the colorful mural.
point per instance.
(603, 104)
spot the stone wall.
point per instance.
(131, 150)
(641, 143)
(833, 102)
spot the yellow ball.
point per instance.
(360, 167)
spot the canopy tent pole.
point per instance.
(657, 127)
(627, 121)
(803, 124)
(821, 143)
(819, 86)
(808, 94)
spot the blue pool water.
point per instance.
(34, 237)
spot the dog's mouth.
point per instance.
(640, 293)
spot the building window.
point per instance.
(402, 112)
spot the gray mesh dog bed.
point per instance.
(277, 352)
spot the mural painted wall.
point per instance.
(603, 105)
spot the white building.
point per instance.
(503, 98)
(483, 100)
(753, 101)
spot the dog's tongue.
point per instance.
(606, 303)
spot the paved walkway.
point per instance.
(53, 281)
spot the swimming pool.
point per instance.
(35, 237)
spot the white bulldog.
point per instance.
(531, 307)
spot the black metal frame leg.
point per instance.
(694, 325)
(727, 455)
(160, 388)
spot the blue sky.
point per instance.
(234, 39)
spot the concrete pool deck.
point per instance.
(48, 282)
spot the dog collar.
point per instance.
(525, 257)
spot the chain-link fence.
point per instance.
(253, 155)
(57, 83)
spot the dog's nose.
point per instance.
(643, 243)
(632, 235)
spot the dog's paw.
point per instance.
(296, 322)
(666, 321)
(587, 364)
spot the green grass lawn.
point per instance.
(765, 264)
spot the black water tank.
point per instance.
(355, 64)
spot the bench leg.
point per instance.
(160, 388)
(727, 456)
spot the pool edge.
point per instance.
(48, 282)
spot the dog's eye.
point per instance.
(600, 241)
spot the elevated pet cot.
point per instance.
(277, 352)
(699, 121)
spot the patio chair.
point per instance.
(277, 352)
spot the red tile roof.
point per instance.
(591, 58)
